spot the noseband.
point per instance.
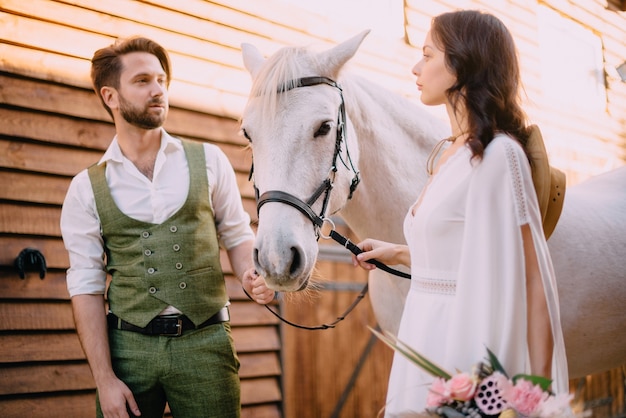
(327, 185)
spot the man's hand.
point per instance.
(114, 396)
(256, 287)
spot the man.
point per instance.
(152, 213)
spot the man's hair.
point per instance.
(106, 64)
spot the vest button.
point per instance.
(179, 266)
(182, 285)
(147, 252)
(151, 270)
(176, 247)
(145, 234)
(152, 290)
(173, 228)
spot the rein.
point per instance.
(325, 188)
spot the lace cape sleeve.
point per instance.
(491, 291)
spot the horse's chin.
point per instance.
(287, 284)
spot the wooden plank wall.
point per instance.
(48, 133)
(603, 136)
(51, 126)
(580, 142)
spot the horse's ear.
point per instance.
(252, 59)
(337, 56)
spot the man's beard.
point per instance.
(142, 118)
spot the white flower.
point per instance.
(557, 406)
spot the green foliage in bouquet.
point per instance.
(486, 392)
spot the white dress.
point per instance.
(468, 274)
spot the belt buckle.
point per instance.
(170, 327)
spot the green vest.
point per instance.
(174, 263)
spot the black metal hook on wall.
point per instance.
(30, 259)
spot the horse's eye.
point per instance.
(245, 134)
(323, 130)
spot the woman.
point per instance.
(481, 272)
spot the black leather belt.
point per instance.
(167, 325)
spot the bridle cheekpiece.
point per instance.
(325, 189)
(327, 185)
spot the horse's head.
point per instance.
(305, 155)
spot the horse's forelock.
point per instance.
(280, 73)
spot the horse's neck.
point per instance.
(395, 137)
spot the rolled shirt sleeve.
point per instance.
(80, 226)
(232, 221)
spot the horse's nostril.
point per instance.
(257, 263)
(296, 261)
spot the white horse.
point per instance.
(292, 127)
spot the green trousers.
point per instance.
(197, 373)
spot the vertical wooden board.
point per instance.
(336, 348)
(319, 365)
(600, 395)
(299, 356)
(618, 386)
(370, 391)
(367, 394)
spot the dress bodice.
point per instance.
(433, 226)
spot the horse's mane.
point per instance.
(366, 102)
(279, 73)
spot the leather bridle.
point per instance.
(324, 189)
(327, 185)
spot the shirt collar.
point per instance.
(114, 152)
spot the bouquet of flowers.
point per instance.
(487, 391)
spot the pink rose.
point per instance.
(525, 397)
(438, 393)
(462, 387)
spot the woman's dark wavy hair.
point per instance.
(106, 64)
(481, 52)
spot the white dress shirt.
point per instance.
(148, 201)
